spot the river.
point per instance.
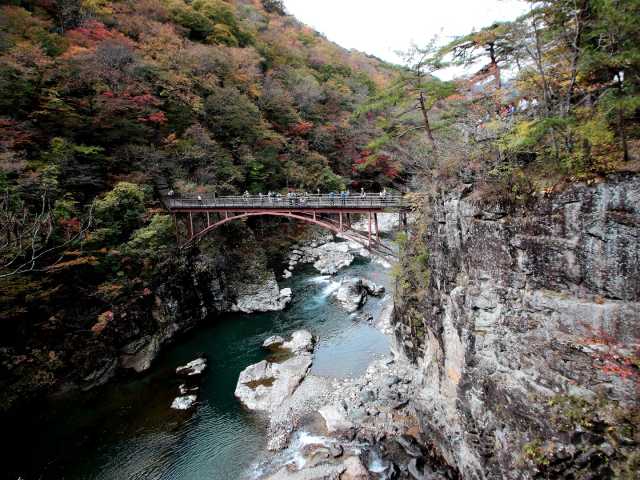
(127, 430)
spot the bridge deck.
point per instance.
(318, 203)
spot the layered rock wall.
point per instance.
(527, 313)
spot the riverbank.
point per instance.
(128, 430)
(360, 427)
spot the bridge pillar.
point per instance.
(375, 218)
(340, 221)
(208, 220)
(190, 225)
(369, 229)
(175, 226)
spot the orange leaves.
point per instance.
(88, 260)
(91, 33)
(103, 320)
(301, 128)
(70, 227)
(158, 118)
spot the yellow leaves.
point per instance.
(88, 260)
(597, 132)
(74, 51)
(97, 7)
(109, 291)
(103, 320)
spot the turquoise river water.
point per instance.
(127, 430)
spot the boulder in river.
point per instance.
(274, 342)
(185, 390)
(351, 294)
(332, 257)
(184, 402)
(195, 367)
(265, 385)
(263, 297)
(372, 289)
(355, 470)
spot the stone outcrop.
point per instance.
(352, 293)
(82, 340)
(528, 317)
(327, 256)
(265, 385)
(265, 296)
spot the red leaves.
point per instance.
(158, 118)
(301, 128)
(71, 227)
(12, 136)
(90, 33)
(141, 107)
(612, 357)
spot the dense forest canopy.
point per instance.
(97, 98)
(213, 95)
(557, 98)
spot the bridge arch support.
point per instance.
(369, 241)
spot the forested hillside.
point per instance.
(549, 98)
(97, 98)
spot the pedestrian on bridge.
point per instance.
(362, 193)
(332, 197)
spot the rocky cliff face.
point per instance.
(524, 325)
(81, 341)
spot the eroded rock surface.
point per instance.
(352, 293)
(528, 316)
(262, 297)
(264, 386)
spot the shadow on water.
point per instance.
(128, 431)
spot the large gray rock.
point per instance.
(354, 470)
(335, 419)
(351, 294)
(518, 301)
(333, 257)
(264, 386)
(193, 368)
(184, 403)
(263, 297)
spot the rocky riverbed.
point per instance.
(355, 428)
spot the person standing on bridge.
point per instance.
(362, 193)
(332, 197)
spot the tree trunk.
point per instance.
(494, 66)
(623, 137)
(427, 125)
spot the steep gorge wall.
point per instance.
(526, 332)
(80, 341)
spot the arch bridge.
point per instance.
(196, 215)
